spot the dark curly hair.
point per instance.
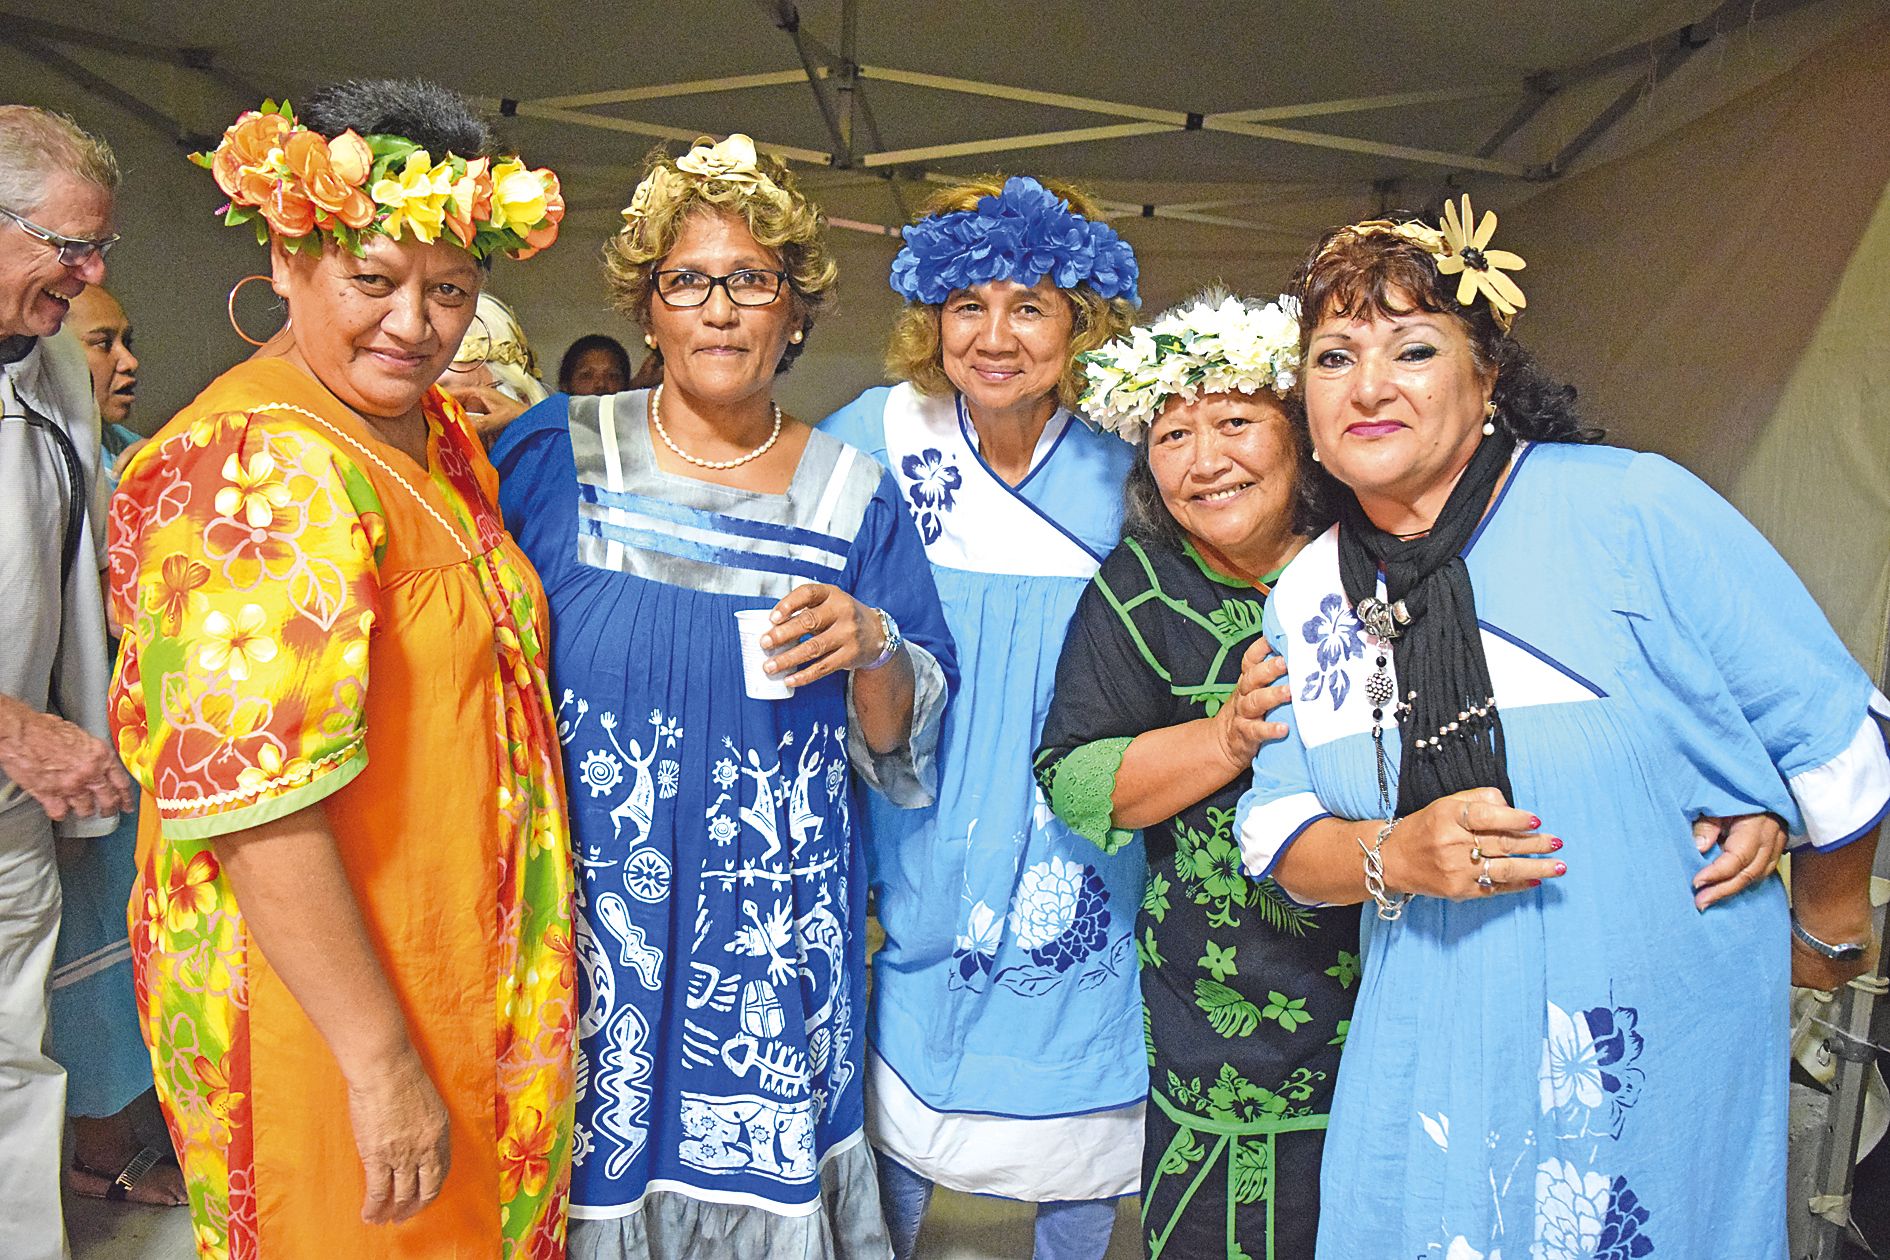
(1365, 270)
(437, 119)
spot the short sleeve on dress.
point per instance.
(1767, 699)
(248, 601)
(887, 568)
(1108, 691)
(1281, 804)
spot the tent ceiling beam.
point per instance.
(171, 128)
(1002, 144)
(815, 68)
(1356, 104)
(663, 91)
(35, 38)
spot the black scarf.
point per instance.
(1438, 649)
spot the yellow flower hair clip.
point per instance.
(1467, 254)
(1457, 250)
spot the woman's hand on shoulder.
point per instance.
(1441, 850)
(840, 633)
(1241, 724)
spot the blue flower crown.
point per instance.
(1023, 234)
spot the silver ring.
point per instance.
(1484, 881)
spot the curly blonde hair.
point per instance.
(916, 350)
(793, 227)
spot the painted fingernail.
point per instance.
(1534, 823)
(1561, 868)
(1555, 842)
(1535, 883)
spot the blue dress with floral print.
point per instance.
(1007, 986)
(1591, 1069)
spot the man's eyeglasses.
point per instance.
(751, 287)
(74, 251)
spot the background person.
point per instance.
(494, 375)
(723, 900)
(1007, 1054)
(56, 772)
(1162, 693)
(594, 364)
(94, 1013)
(351, 927)
(1575, 656)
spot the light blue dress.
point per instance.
(1592, 1068)
(1007, 986)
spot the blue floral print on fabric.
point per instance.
(931, 482)
(1338, 636)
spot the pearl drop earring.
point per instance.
(1489, 417)
(649, 339)
(1315, 455)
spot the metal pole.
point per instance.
(1850, 1042)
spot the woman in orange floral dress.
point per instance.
(352, 926)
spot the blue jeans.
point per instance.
(1076, 1230)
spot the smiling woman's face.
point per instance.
(1396, 407)
(720, 353)
(1226, 466)
(1004, 345)
(377, 330)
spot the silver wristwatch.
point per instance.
(1849, 952)
(894, 640)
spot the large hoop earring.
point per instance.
(231, 308)
(473, 363)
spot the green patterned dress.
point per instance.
(1246, 994)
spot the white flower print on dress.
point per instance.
(1046, 902)
(1570, 1073)
(1571, 1208)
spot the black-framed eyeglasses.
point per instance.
(751, 286)
(74, 251)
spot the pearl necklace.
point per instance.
(656, 418)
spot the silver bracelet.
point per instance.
(1390, 906)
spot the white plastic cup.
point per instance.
(750, 625)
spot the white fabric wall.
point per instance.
(1723, 296)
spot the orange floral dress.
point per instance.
(312, 617)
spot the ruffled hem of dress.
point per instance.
(847, 1224)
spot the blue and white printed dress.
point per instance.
(721, 940)
(1007, 1054)
(1593, 1068)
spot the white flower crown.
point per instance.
(1212, 345)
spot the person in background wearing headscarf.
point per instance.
(494, 375)
(94, 1013)
(1007, 1054)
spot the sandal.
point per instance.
(119, 1187)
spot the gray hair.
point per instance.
(36, 144)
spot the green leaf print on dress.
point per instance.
(1230, 1014)
(1208, 866)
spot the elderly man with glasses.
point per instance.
(56, 772)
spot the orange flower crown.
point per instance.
(281, 175)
